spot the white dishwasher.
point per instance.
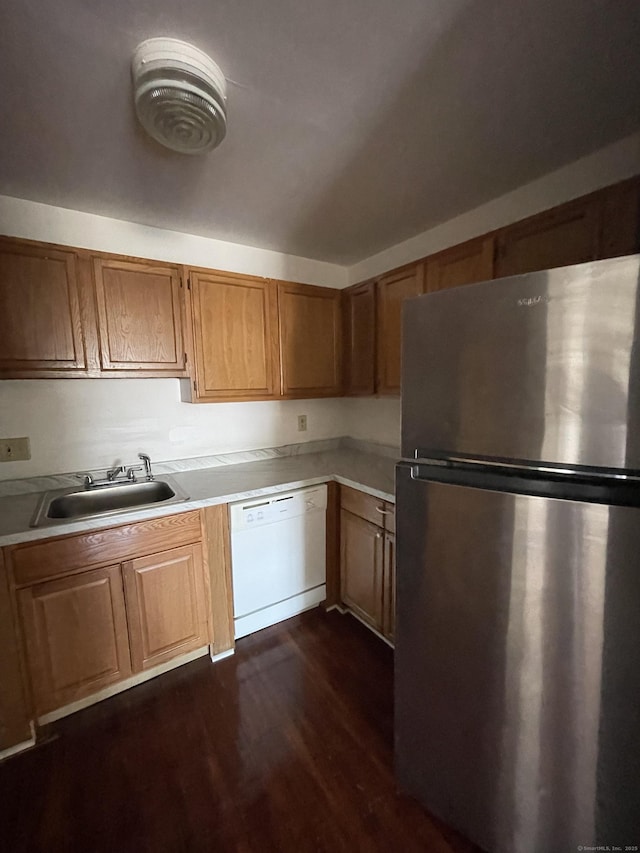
(278, 556)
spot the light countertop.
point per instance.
(368, 472)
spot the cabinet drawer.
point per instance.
(64, 555)
(366, 506)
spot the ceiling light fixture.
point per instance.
(180, 95)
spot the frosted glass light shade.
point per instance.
(180, 95)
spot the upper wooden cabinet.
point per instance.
(467, 263)
(40, 319)
(392, 290)
(565, 235)
(620, 218)
(359, 316)
(72, 312)
(310, 340)
(139, 316)
(235, 336)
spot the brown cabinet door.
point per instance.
(620, 232)
(310, 340)
(40, 325)
(139, 316)
(563, 236)
(465, 264)
(393, 289)
(235, 327)
(75, 632)
(359, 315)
(361, 556)
(14, 716)
(166, 605)
(389, 587)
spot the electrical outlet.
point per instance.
(14, 449)
(302, 423)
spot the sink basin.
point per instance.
(69, 504)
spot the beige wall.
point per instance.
(34, 221)
(373, 419)
(75, 424)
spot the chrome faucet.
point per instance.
(147, 465)
(114, 473)
(86, 478)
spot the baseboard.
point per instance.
(121, 686)
(19, 747)
(221, 655)
(348, 610)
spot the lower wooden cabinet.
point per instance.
(75, 631)
(389, 587)
(165, 597)
(367, 559)
(361, 554)
(86, 626)
(14, 713)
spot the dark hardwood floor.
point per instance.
(287, 746)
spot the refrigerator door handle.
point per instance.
(523, 468)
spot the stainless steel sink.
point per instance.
(97, 501)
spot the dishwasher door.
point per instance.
(278, 556)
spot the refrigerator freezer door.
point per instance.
(543, 368)
(517, 675)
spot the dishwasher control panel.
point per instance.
(255, 512)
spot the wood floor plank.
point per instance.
(287, 746)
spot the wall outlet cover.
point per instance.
(302, 423)
(15, 449)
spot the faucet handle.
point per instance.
(147, 465)
(131, 471)
(86, 478)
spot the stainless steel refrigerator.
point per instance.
(518, 548)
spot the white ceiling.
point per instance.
(353, 124)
